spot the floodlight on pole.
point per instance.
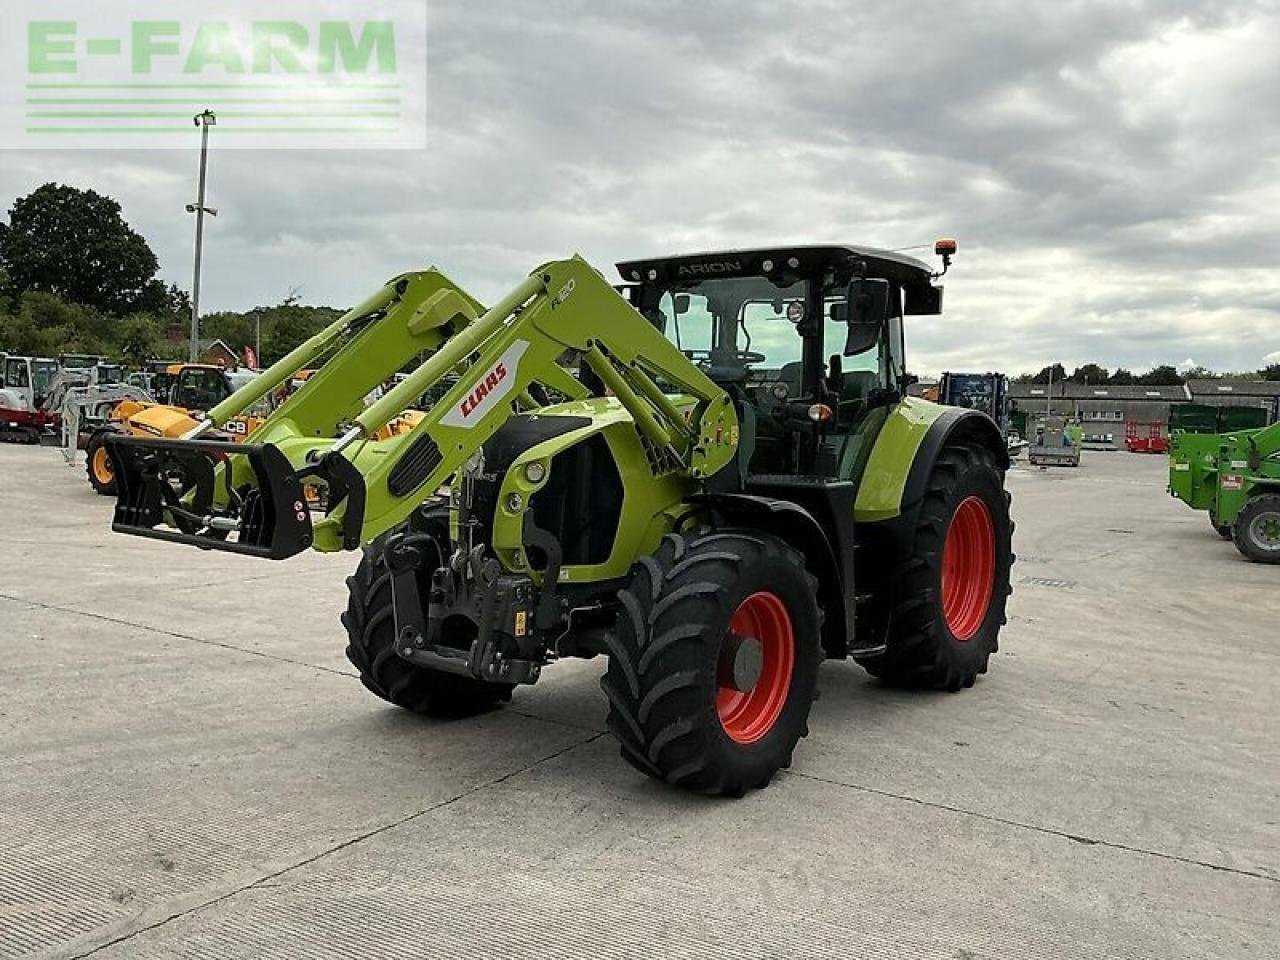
(204, 121)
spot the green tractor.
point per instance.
(708, 474)
(1235, 477)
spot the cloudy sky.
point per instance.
(1111, 170)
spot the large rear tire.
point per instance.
(714, 660)
(98, 466)
(370, 623)
(1256, 532)
(951, 589)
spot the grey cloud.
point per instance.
(1078, 151)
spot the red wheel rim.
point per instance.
(748, 715)
(968, 568)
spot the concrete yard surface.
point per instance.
(189, 768)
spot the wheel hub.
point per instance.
(1265, 530)
(741, 662)
(754, 668)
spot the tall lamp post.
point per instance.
(204, 121)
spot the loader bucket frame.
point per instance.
(169, 490)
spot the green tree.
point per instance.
(75, 244)
(1059, 374)
(1161, 376)
(1198, 373)
(1090, 373)
(1122, 378)
(140, 337)
(286, 326)
(1271, 372)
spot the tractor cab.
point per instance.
(808, 341)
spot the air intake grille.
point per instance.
(418, 463)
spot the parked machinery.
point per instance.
(1235, 477)
(192, 388)
(735, 488)
(24, 388)
(1056, 442)
(988, 392)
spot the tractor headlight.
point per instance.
(535, 472)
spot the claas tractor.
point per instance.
(1235, 477)
(708, 475)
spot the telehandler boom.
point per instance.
(711, 502)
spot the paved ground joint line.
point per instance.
(264, 882)
(1047, 831)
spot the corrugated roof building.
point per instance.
(1104, 410)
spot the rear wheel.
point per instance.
(1256, 532)
(950, 591)
(370, 623)
(714, 660)
(102, 475)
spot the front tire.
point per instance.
(714, 660)
(370, 624)
(98, 465)
(950, 591)
(1256, 532)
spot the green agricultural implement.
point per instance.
(1235, 477)
(709, 475)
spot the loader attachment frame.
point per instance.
(169, 490)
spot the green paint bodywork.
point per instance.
(884, 477)
(1220, 472)
(651, 501)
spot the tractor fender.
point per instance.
(955, 426)
(798, 527)
(952, 426)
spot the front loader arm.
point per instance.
(564, 307)
(240, 500)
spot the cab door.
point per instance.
(864, 388)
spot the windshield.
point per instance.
(42, 374)
(750, 323)
(747, 321)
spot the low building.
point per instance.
(1236, 393)
(1106, 411)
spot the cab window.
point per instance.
(16, 374)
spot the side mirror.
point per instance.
(681, 303)
(867, 310)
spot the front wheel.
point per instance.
(950, 591)
(102, 476)
(371, 632)
(1256, 532)
(714, 660)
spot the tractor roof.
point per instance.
(734, 263)
(914, 276)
